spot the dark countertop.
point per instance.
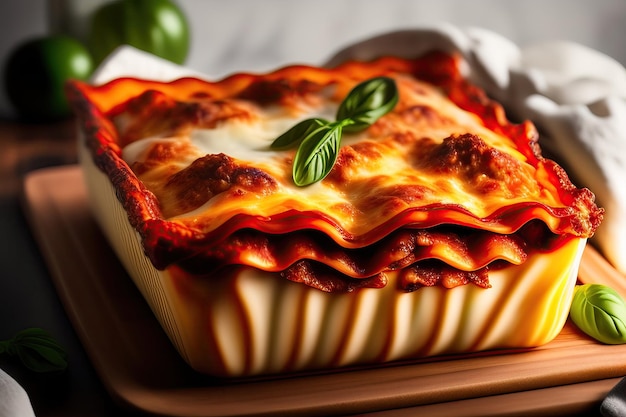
(27, 295)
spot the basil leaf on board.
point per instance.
(37, 350)
(367, 102)
(600, 312)
(296, 134)
(317, 154)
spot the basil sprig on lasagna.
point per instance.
(319, 140)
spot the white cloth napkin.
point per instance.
(127, 61)
(14, 401)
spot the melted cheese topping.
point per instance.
(427, 152)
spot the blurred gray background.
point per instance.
(258, 35)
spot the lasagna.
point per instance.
(442, 192)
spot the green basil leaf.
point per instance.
(317, 154)
(297, 133)
(367, 102)
(319, 139)
(42, 358)
(600, 312)
(37, 350)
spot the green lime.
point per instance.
(36, 73)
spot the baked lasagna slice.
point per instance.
(443, 191)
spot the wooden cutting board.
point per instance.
(141, 369)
